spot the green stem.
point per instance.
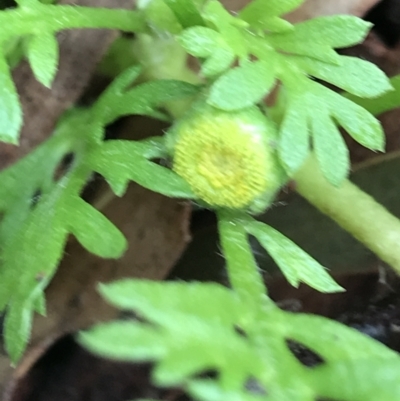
(53, 18)
(242, 268)
(354, 210)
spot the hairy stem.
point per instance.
(242, 268)
(54, 18)
(354, 210)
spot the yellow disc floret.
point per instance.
(224, 157)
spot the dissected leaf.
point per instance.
(143, 342)
(210, 346)
(242, 86)
(10, 109)
(300, 122)
(147, 97)
(208, 390)
(296, 264)
(296, 56)
(23, 21)
(160, 17)
(119, 85)
(156, 301)
(39, 304)
(294, 137)
(264, 14)
(249, 364)
(94, 231)
(143, 99)
(217, 63)
(330, 149)
(319, 37)
(40, 210)
(206, 43)
(209, 335)
(351, 75)
(18, 324)
(200, 41)
(347, 354)
(125, 340)
(24, 275)
(186, 12)
(43, 57)
(122, 161)
(383, 103)
(357, 121)
(229, 26)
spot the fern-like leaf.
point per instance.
(270, 50)
(188, 329)
(42, 47)
(40, 211)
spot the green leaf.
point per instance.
(94, 231)
(143, 99)
(160, 17)
(17, 328)
(120, 84)
(186, 12)
(121, 161)
(230, 27)
(200, 41)
(28, 265)
(330, 149)
(385, 102)
(125, 341)
(294, 137)
(319, 37)
(27, 3)
(335, 341)
(296, 265)
(156, 301)
(351, 75)
(263, 14)
(242, 86)
(207, 43)
(217, 63)
(249, 357)
(42, 53)
(40, 211)
(347, 354)
(149, 95)
(357, 121)
(210, 346)
(300, 121)
(209, 340)
(10, 110)
(208, 390)
(39, 305)
(337, 31)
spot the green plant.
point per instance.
(229, 152)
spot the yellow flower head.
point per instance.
(226, 157)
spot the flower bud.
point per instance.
(228, 158)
